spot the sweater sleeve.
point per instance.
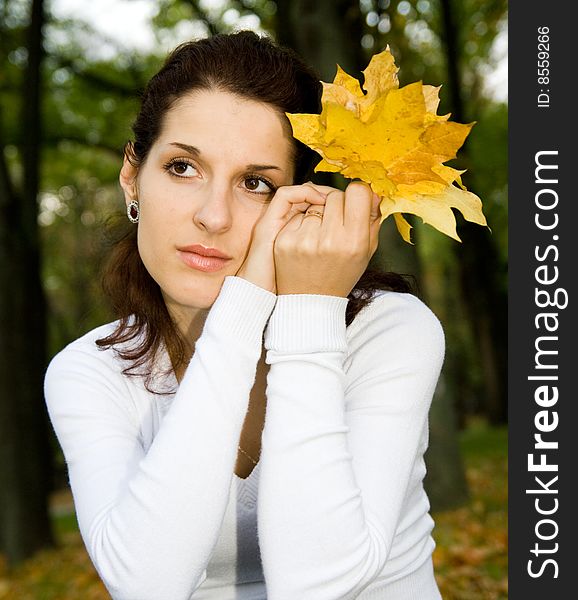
(338, 448)
(150, 520)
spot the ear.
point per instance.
(127, 179)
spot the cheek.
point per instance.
(245, 223)
(162, 209)
(148, 246)
(154, 226)
(157, 234)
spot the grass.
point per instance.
(470, 558)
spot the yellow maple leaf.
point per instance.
(393, 139)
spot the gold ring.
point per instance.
(314, 213)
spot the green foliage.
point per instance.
(481, 443)
(199, 19)
(90, 102)
(413, 30)
(488, 148)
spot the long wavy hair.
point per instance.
(254, 68)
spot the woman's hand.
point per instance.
(288, 201)
(326, 249)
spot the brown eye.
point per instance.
(258, 185)
(252, 183)
(181, 168)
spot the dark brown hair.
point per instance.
(253, 68)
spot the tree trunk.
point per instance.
(325, 33)
(485, 300)
(25, 458)
(445, 482)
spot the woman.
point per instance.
(253, 425)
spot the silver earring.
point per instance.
(133, 211)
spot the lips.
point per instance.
(203, 258)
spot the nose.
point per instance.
(213, 212)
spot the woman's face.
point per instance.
(204, 184)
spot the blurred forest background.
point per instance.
(69, 86)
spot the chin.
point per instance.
(201, 296)
(206, 301)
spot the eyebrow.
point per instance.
(194, 151)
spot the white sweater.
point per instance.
(334, 510)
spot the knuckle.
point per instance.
(282, 191)
(310, 190)
(327, 246)
(334, 196)
(282, 242)
(355, 249)
(359, 189)
(308, 247)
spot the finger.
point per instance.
(357, 208)
(333, 212)
(375, 211)
(374, 228)
(294, 222)
(315, 211)
(324, 189)
(291, 199)
(287, 202)
(312, 221)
